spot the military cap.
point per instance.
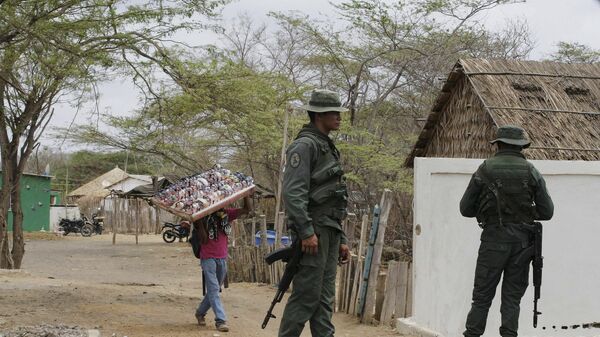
(322, 100)
(511, 134)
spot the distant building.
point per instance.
(115, 181)
(35, 202)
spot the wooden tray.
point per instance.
(208, 210)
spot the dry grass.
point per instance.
(41, 236)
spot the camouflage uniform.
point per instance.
(506, 230)
(315, 200)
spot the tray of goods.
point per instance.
(199, 195)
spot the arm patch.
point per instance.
(295, 160)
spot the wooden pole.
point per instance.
(386, 205)
(137, 219)
(391, 289)
(402, 290)
(379, 296)
(367, 263)
(157, 220)
(279, 229)
(263, 231)
(253, 238)
(280, 174)
(357, 284)
(116, 206)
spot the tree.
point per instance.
(226, 114)
(573, 52)
(386, 58)
(57, 49)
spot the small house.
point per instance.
(557, 104)
(35, 202)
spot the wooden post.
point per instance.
(280, 175)
(359, 263)
(157, 220)
(253, 238)
(115, 223)
(402, 290)
(391, 290)
(386, 205)
(234, 233)
(263, 231)
(367, 263)
(279, 229)
(137, 219)
(149, 209)
(379, 296)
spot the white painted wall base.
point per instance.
(407, 327)
(445, 251)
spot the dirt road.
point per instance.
(149, 289)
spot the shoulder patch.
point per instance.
(295, 160)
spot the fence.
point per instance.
(126, 216)
(378, 292)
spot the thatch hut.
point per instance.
(557, 104)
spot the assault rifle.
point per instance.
(537, 263)
(291, 255)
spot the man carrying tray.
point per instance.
(315, 197)
(214, 230)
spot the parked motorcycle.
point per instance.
(67, 226)
(175, 231)
(96, 226)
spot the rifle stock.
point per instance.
(292, 256)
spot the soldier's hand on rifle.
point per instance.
(310, 245)
(344, 254)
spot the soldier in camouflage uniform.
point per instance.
(506, 194)
(315, 198)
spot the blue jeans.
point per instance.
(214, 274)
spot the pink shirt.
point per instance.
(217, 249)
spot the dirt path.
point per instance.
(150, 289)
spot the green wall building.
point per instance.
(35, 201)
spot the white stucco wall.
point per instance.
(62, 212)
(445, 251)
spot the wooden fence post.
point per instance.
(116, 222)
(401, 290)
(253, 238)
(279, 229)
(263, 231)
(379, 296)
(357, 284)
(137, 219)
(367, 263)
(377, 249)
(391, 290)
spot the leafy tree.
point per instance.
(573, 52)
(58, 49)
(386, 58)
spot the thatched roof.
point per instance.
(97, 187)
(557, 104)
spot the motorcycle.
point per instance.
(96, 226)
(67, 226)
(175, 231)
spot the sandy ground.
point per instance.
(149, 289)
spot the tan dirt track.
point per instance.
(150, 289)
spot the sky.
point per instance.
(550, 21)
